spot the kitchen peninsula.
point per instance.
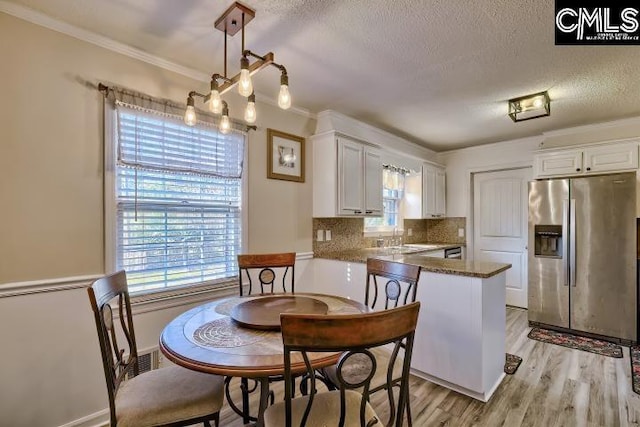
(460, 338)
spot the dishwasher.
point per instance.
(453, 253)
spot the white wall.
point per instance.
(461, 164)
(51, 214)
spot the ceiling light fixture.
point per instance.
(234, 19)
(530, 107)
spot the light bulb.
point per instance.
(245, 87)
(215, 103)
(250, 112)
(284, 99)
(190, 116)
(538, 102)
(225, 124)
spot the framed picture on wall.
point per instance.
(285, 156)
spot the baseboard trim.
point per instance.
(97, 419)
(483, 397)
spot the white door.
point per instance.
(500, 210)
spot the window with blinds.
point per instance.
(178, 200)
(392, 193)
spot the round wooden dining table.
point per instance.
(207, 339)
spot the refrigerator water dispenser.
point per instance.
(548, 241)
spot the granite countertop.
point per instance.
(455, 267)
(361, 255)
(416, 256)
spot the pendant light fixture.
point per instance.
(234, 19)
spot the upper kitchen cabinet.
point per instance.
(613, 156)
(425, 193)
(347, 177)
(433, 191)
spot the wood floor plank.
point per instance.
(554, 386)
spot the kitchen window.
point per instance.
(392, 194)
(176, 211)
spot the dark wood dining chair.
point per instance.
(265, 268)
(171, 396)
(389, 285)
(267, 264)
(356, 336)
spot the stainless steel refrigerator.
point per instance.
(582, 255)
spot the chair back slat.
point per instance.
(118, 361)
(398, 282)
(266, 263)
(354, 336)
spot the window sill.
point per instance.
(144, 302)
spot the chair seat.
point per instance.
(168, 395)
(325, 411)
(353, 369)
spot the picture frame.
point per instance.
(285, 156)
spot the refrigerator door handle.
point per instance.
(565, 240)
(572, 247)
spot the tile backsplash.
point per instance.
(348, 233)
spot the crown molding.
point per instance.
(333, 121)
(43, 20)
(537, 139)
(298, 110)
(592, 127)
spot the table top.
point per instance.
(264, 313)
(206, 339)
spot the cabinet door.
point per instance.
(560, 163)
(433, 191)
(429, 186)
(350, 178)
(372, 182)
(441, 192)
(611, 158)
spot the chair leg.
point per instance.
(216, 419)
(244, 386)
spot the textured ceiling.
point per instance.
(436, 72)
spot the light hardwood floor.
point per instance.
(554, 386)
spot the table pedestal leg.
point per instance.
(264, 400)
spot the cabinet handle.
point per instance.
(577, 169)
(368, 212)
(588, 169)
(357, 212)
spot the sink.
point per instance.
(423, 246)
(395, 250)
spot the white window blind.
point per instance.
(392, 193)
(178, 200)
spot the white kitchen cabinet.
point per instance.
(347, 177)
(433, 191)
(558, 163)
(345, 279)
(611, 158)
(614, 156)
(460, 337)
